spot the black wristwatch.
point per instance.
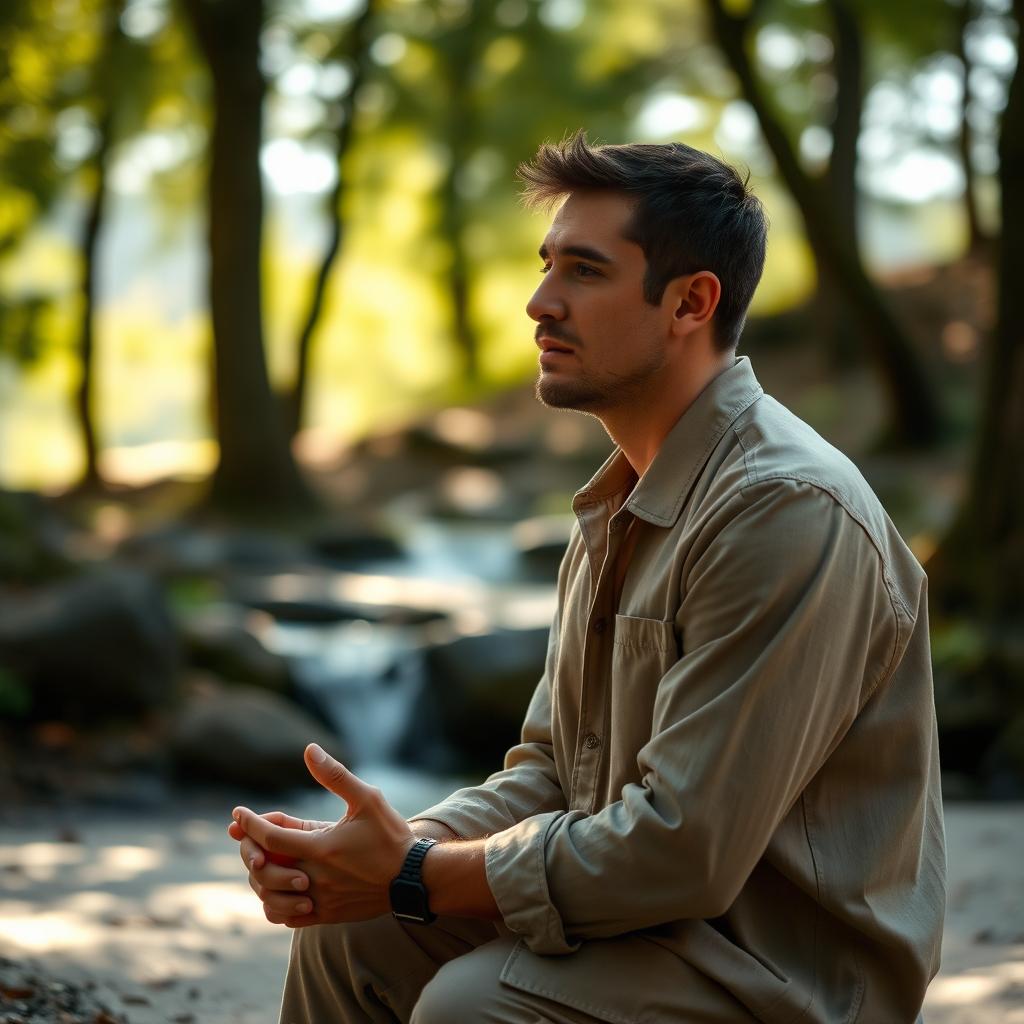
(408, 893)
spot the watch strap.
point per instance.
(410, 878)
(412, 868)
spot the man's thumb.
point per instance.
(332, 774)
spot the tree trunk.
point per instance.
(981, 562)
(914, 418)
(460, 131)
(841, 177)
(84, 394)
(256, 472)
(977, 238)
(846, 118)
(296, 399)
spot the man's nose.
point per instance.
(546, 302)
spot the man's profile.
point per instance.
(725, 803)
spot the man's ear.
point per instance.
(694, 299)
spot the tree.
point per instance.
(977, 237)
(105, 88)
(82, 75)
(503, 78)
(255, 470)
(353, 48)
(914, 415)
(980, 564)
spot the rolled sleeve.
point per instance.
(787, 627)
(517, 873)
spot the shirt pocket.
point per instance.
(643, 650)
(656, 636)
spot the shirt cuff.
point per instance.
(517, 875)
(467, 819)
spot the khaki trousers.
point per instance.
(383, 971)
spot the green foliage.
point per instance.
(15, 696)
(191, 593)
(20, 327)
(959, 646)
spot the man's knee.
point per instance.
(466, 988)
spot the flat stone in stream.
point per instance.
(355, 547)
(218, 641)
(324, 611)
(180, 549)
(245, 737)
(475, 694)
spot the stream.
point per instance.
(365, 676)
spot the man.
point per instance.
(725, 804)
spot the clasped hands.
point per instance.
(321, 872)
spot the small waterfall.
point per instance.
(364, 678)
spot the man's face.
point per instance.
(604, 344)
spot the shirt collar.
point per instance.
(661, 492)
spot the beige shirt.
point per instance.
(730, 762)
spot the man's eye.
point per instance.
(584, 270)
(545, 268)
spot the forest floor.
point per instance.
(150, 917)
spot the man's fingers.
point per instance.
(273, 838)
(287, 821)
(334, 776)
(280, 879)
(251, 854)
(284, 906)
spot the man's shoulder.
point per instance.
(777, 445)
(772, 447)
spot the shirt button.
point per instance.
(591, 741)
(600, 625)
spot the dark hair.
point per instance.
(693, 212)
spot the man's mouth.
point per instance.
(546, 344)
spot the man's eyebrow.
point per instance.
(584, 252)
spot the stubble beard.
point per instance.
(592, 395)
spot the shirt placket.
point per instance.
(598, 639)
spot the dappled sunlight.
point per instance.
(211, 904)
(50, 931)
(120, 863)
(1005, 978)
(138, 465)
(474, 605)
(41, 862)
(157, 912)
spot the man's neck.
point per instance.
(639, 430)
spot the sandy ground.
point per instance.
(155, 911)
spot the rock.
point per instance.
(476, 692)
(315, 606)
(246, 737)
(541, 542)
(475, 494)
(96, 647)
(354, 546)
(179, 549)
(218, 641)
(32, 540)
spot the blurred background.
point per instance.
(271, 465)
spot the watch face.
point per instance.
(409, 900)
